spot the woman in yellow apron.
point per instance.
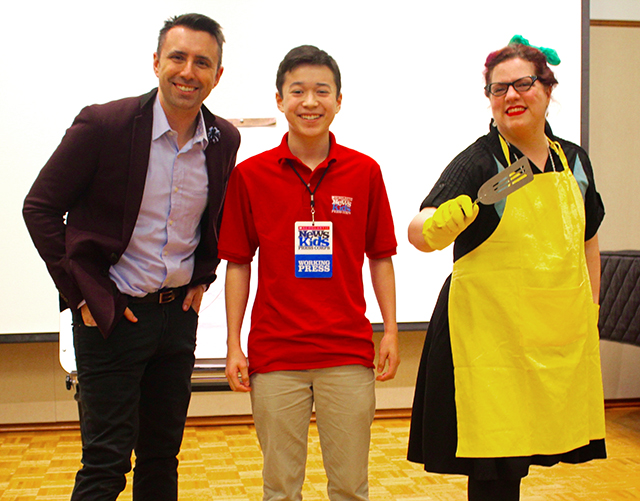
(510, 372)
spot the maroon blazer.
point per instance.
(96, 178)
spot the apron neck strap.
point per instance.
(554, 145)
(505, 149)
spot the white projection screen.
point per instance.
(412, 99)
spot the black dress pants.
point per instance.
(135, 389)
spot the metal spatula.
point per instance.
(506, 182)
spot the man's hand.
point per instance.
(193, 299)
(237, 371)
(89, 321)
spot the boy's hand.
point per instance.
(237, 371)
(390, 354)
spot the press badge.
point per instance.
(314, 249)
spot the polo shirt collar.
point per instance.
(284, 153)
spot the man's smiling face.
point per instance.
(187, 69)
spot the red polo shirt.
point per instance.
(307, 323)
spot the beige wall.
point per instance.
(32, 385)
(614, 136)
(614, 149)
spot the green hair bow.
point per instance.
(551, 55)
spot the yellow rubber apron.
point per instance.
(524, 334)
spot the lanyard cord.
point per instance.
(307, 186)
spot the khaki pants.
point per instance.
(282, 403)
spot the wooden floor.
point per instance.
(224, 463)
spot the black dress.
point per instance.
(433, 435)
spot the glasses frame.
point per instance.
(487, 87)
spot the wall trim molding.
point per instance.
(248, 419)
(54, 337)
(41, 337)
(610, 23)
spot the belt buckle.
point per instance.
(166, 296)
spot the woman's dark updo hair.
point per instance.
(525, 52)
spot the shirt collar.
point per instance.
(161, 125)
(284, 153)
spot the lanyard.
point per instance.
(308, 187)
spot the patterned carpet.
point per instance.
(224, 463)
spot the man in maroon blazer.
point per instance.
(125, 215)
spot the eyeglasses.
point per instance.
(520, 85)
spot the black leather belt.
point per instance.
(162, 296)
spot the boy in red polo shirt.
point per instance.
(315, 209)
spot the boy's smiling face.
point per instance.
(309, 101)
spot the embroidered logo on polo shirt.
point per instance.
(341, 205)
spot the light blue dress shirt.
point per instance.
(167, 232)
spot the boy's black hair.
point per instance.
(307, 54)
(196, 22)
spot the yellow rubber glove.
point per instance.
(448, 221)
